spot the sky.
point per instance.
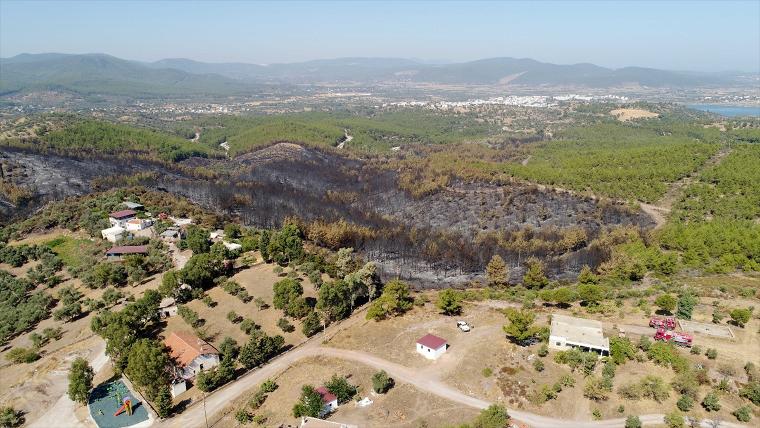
(680, 35)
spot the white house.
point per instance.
(191, 353)
(431, 346)
(120, 218)
(570, 332)
(167, 308)
(329, 401)
(136, 224)
(232, 246)
(113, 234)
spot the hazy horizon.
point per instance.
(689, 36)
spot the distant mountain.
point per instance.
(107, 75)
(481, 72)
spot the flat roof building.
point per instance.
(571, 332)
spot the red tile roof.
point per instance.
(128, 249)
(432, 341)
(185, 347)
(122, 214)
(327, 396)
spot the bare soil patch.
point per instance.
(626, 114)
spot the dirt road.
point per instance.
(193, 417)
(62, 414)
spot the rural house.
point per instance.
(120, 218)
(329, 401)
(431, 346)
(571, 332)
(167, 308)
(191, 353)
(136, 224)
(113, 234)
(133, 206)
(116, 254)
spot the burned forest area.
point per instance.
(444, 238)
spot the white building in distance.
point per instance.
(586, 335)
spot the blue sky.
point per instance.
(700, 35)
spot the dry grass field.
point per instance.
(402, 406)
(626, 114)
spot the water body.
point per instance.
(727, 110)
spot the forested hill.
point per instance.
(107, 75)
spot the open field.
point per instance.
(402, 406)
(626, 114)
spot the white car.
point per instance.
(462, 325)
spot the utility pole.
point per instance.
(205, 416)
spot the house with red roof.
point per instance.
(191, 353)
(431, 346)
(115, 254)
(120, 218)
(329, 401)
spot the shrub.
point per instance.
(381, 382)
(285, 325)
(711, 402)
(487, 372)
(243, 416)
(268, 386)
(233, 317)
(567, 380)
(632, 422)
(538, 365)
(685, 403)
(341, 388)
(743, 414)
(597, 414)
(248, 326)
(695, 350)
(10, 417)
(674, 420)
(543, 350)
(751, 392)
(20, 355)
(711, 353)
(596, 389)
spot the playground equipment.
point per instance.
(667, 322)
(126, 407)
(680, 339)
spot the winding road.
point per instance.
(193, 417)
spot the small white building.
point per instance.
(133, 206)
(232, 246)
(191, 353)
(136, 224)
(571, 332)
(216, 235)
(329, 401)
(167, 308)
(431, 346)
(177, 387)
(120, 218)
(113, 234)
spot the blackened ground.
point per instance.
(432, 241)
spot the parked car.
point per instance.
(462, 325)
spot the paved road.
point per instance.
(193, 417)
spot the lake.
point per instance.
(727, 110)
